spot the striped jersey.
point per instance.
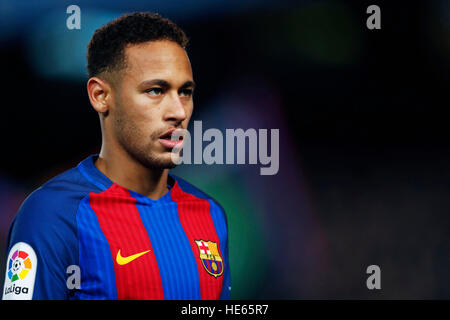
(82, 236)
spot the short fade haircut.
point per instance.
(106, 50)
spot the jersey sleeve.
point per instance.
(41, 246)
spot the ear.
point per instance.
(99, 92)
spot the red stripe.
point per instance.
(195, 218)
(122, 226)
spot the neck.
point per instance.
(127, 172)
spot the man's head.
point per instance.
(141, 84)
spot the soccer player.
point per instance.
(119, 226)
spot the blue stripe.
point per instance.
(176, 261)
(219, 220)
(96, 264)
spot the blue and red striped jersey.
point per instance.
(122, 244)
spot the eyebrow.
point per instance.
(165, 84)
(188, 84)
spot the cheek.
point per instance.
(135, 120)
(145, 123)
(140, 109)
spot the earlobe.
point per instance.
(98, 92)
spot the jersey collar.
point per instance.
(97, 178)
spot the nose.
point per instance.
(176, 111)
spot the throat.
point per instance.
(151, 183)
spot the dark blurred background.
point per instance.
(364, 137)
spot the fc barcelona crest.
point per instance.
(210, 257)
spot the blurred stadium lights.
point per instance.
(17, 17)
(60, 52)
(314, 32)
(325, 32)
(56, 52)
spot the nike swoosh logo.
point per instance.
(124, 260)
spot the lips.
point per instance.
(172, 138)
(172, 132)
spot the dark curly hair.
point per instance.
(106, 49)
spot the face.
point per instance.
(152, 98)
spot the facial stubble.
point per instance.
(130, 137)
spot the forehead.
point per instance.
(157, 59)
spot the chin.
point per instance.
(160, 162)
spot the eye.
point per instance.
(186, 92)
(154, 91)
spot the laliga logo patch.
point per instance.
(20, 272)
(19, 265)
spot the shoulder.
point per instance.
(52, 207)
(45, 228)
